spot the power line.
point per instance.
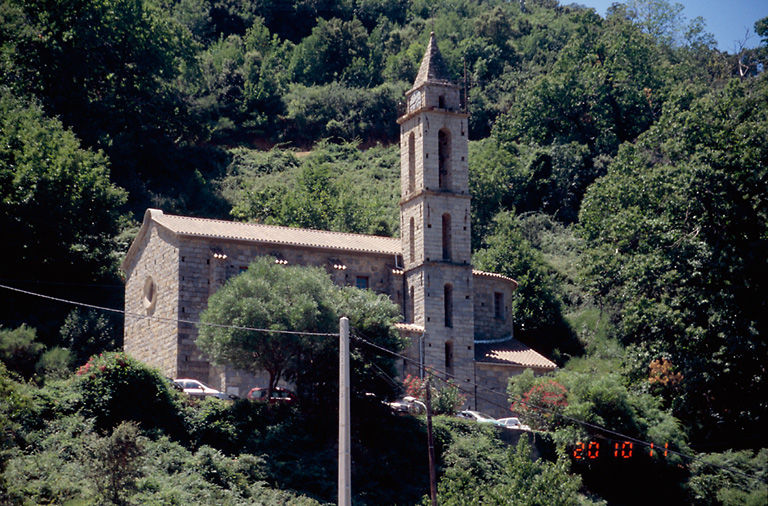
(165, 319)
(436, 373)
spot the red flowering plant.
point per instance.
(116, 388)
(540, 405)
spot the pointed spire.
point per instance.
(432, 69)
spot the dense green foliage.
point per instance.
(335, 187)
(58, 204)
(298, 299)
(677, 234)
(482, 470)
(618, 173)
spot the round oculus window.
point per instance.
(150, 294)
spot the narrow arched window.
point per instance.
(411, 306)
(446, 236)
(441, 101)
(412, 240)
(448, 304)
(411, 162)
(444, 159)
(449, 357)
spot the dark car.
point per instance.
(279, 395)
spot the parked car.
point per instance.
(279, 395)
(476, 416)
(194, 388)
(512, 423)
(407, 405)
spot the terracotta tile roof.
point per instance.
(271, 234)
(493, 275)
(511, 352)
(432, 69)
(409, 327)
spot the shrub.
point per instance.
(116, 462)
(117, 388)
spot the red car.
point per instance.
(279, 394)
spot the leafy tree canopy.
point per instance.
(677, 231)
(58, 204)
(294, 299)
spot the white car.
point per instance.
(476, 416)
(194, 388)
(409, 405)
(512, 423)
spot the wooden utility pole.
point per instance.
(431, 448)
(345, 459)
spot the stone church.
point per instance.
(457, 319)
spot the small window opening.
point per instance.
(448, 305)
(412, 240)
(446, 236)
(449, 357)
(498, 305)
(444, 159)
(411, 163)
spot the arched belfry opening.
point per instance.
(411, 306)
(444, 159)
(447, 237)
(411, 162)
(412, 240)
(448, 304)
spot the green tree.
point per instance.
(536, 307)
(58, 204)
(712, 480)
(336, 187)
(680, 215)
(115, 59)
(20, 350)
(295, 299)
(88, 332)
(336, 50)
(480, 472)
(55, 363)
(116, 463)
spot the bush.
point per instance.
(116, 462)
(117, 388)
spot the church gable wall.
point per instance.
(151, 289)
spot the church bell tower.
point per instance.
(435, 218)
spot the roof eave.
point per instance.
(149, 216)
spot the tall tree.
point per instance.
(294, 299)
(58, 205)
(678, 231)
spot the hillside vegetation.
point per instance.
(618, 171)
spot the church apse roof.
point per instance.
(512, 352)
(433, 69)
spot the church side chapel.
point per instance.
(457, 319)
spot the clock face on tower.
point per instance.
(414, 101)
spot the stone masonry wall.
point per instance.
(491, 380)
(153, 341)
(206, 264)
(487, 325)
